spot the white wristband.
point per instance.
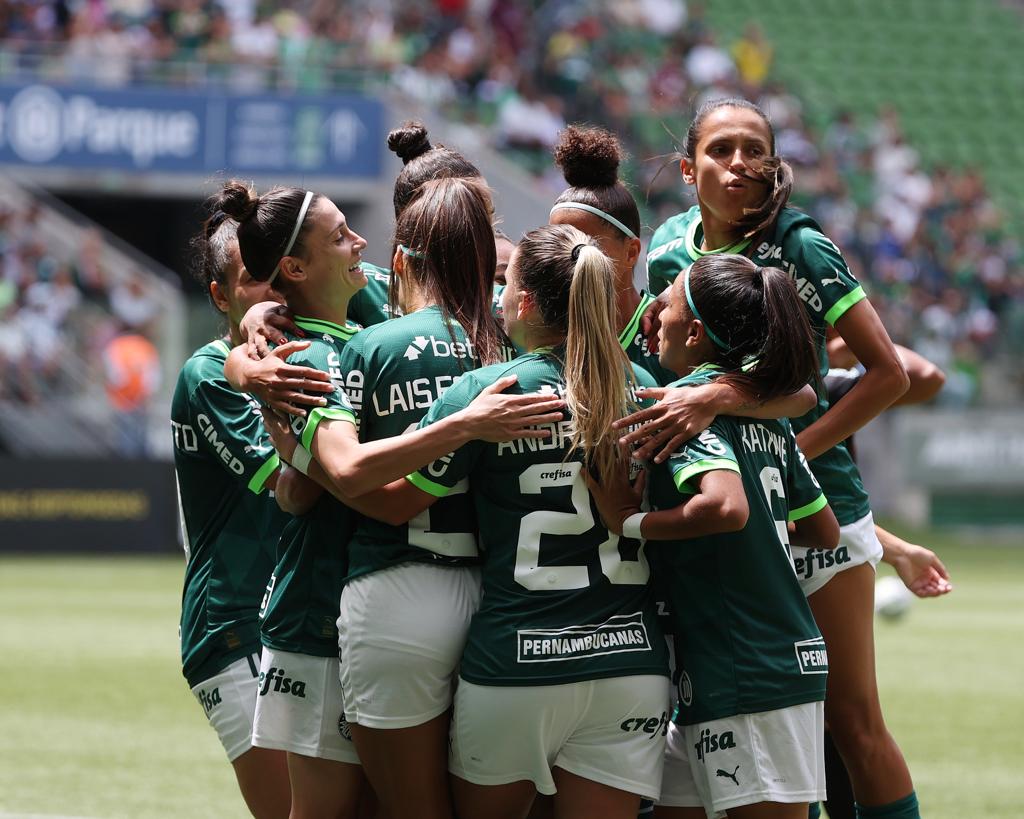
(631, 525)
(301, 458)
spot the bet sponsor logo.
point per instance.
(439, 348)
(276, 681)
(208, 699)
(654, 726)
(818, 560)
(618, 634)
(709, 742)
(812, 656)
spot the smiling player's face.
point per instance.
(726, 168)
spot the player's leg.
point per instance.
(581, 798)
(844, 611)
(324, 788)
(839, 802)
(262, 776)
(407, 767)
(511, 801)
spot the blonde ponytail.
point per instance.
(596, 368)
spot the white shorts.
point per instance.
(858, 544)
(229, 700)
(299, 707)
(401, 632)
(610, 731)
(773, 756)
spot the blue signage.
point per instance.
(158, 130)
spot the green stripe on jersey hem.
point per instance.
(815, 505)
(427, 485)
(329, 327)
(223, 345)
(626, 336)
(845, 303)
(322, 414)
(259, 480)
(683, 476)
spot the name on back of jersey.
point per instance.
(805, 288)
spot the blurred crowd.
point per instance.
(929, 244)
(66, 326)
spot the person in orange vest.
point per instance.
(132, 366)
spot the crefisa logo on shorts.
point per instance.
(710, 742)
(819, 559)
(209, 700)
(343, 728)
(649, 725)
(285, 685)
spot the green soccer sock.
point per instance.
(905, 808)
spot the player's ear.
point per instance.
(220, 300)
(527, 305)
(398, 263)
(292, 269)
(688, 171)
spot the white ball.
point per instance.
(892, 598)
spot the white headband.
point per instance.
(295, 233)
(597, 212)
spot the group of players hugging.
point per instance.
(492, 533)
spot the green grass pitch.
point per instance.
(96, 720)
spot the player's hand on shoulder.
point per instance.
(496, 417)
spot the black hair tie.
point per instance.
(215, 222)
(576, 252)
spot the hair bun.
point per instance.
(237, 199)
(589, 157)
(409, 141)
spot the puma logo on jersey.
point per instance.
(819, 559)
(731, 776)
(285, 685)
(649, 725)
(440, 347)
(209, 700)
(837, 280)
(709, 742)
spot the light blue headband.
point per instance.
(295, 232)
(597, 212)
(416, 254)
(693, 309)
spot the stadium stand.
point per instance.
(921, 194)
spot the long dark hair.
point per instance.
(590, 159)
(776, 172)
(573, 284)
(423, 162)
(765, 340)
(265, 223)
(446, 231)
(211, 247)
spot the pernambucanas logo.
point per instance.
(812, 656)
(623, 632)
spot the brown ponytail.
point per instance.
(573, 284)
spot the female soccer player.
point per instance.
(226, 469)
(302, 240)
(742, 190)
(748, 736)
(563, 685)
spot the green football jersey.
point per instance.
(300, 607)
(634, 343)
(563, 598)
(370, 305)
(392, 373)
(230, 523)
(827, 289)
(745, 637)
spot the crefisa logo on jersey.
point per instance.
(709, 742)
(276, 680)
(209, 700)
